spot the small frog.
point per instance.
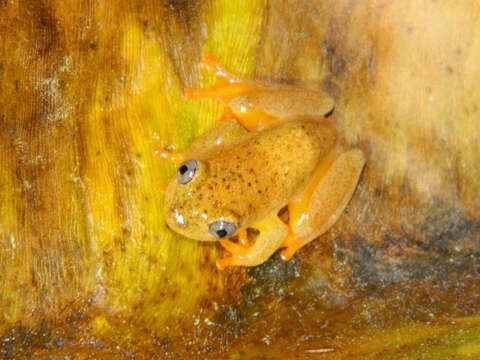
(274, 148)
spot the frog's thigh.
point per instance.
(272, 233)
(312, 216)
(259, 109)
(282, 102)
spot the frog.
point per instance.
(272, 174)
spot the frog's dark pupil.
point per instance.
(221, 233)
(183, 169)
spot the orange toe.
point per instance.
(288, 253)
(168, 156)
(219, 69)
(238, 250)
(233, 248)
(189, 93)
(289, 239)
(164, 187)
(291, 245)
(227, 116)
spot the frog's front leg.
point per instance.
(272, 233)
(323, 200)
(221, 133)
(166, 155)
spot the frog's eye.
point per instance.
(222, 229)
(186, 171)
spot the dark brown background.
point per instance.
(88, 88)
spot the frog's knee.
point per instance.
(321, 207)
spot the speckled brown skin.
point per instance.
(246, 179)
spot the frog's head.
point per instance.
(194, 209)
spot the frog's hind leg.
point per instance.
(272, 234)
(220, 71)
(228, 115)
(225, 87)
(323, 200)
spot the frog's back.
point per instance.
(258, 173)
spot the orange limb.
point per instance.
(221, 90)
(168, 156)
(233, 248)
(237, 250)
(163, 188)
(226, 85)
(272, 231)
(256, 120)
(243, 237)
(227, 116)
(211, 61)
(299, 209)
(291, 244)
